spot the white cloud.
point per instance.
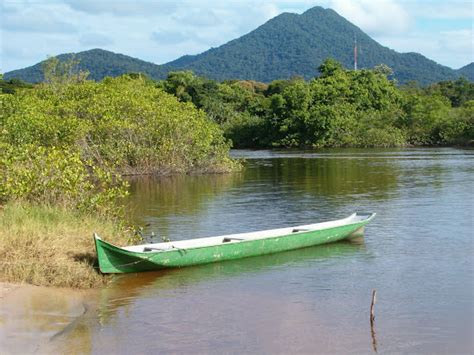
(456, 41)
(169, 37)
(124, 8)
(94, 39)
(197, 17)
(379, 17)
(456, 47)
(451, 48)
(37, 20)
(435, 9)
(269, 10)
(7, 8)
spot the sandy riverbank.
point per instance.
(32, 318)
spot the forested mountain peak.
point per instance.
(287, 45)
(295, 45)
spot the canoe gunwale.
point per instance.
(172, 249)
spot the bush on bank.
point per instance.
(68, 145)
(125, 122)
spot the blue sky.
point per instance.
(160, 31)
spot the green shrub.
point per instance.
(124, 122)
(57, 177)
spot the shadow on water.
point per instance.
(129, 287)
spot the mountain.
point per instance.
(99, 63)
(292, 44)
(467, 71)
(287, 45)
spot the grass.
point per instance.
(50, 246)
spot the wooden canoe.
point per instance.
(147, 257)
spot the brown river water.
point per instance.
(417, 253)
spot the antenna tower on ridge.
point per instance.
(355, 52)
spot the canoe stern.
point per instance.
(113, 260)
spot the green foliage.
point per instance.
(340, 108)
(423, 114)
(123, 122)
(66, 142)
(246, 130)
(330, 67)
(458, 92)
(458, 126)
(64, 146)
(57, 177)
(12, 85)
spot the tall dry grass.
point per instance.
(50, 246)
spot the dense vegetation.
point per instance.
(65, 145)
(340, 108)
(10, 86)
(59, 140)
(285, 46)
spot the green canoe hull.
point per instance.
(113, 259)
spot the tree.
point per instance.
(329, 67)
(383, 69)
(59, 73)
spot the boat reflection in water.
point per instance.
(126, 288)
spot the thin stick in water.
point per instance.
(372, 320)
(372, 304)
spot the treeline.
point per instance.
(340, 108)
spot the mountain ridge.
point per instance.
(318, 34)
(467, 71)
(89, 60)
(285, 46)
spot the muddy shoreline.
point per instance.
(33, 318)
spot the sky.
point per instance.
(159, 31)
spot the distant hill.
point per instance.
(99, 63)
(467, 71)
(292, 44)
(285, 46)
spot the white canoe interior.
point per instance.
(236, 238)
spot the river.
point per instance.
(417, 253)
